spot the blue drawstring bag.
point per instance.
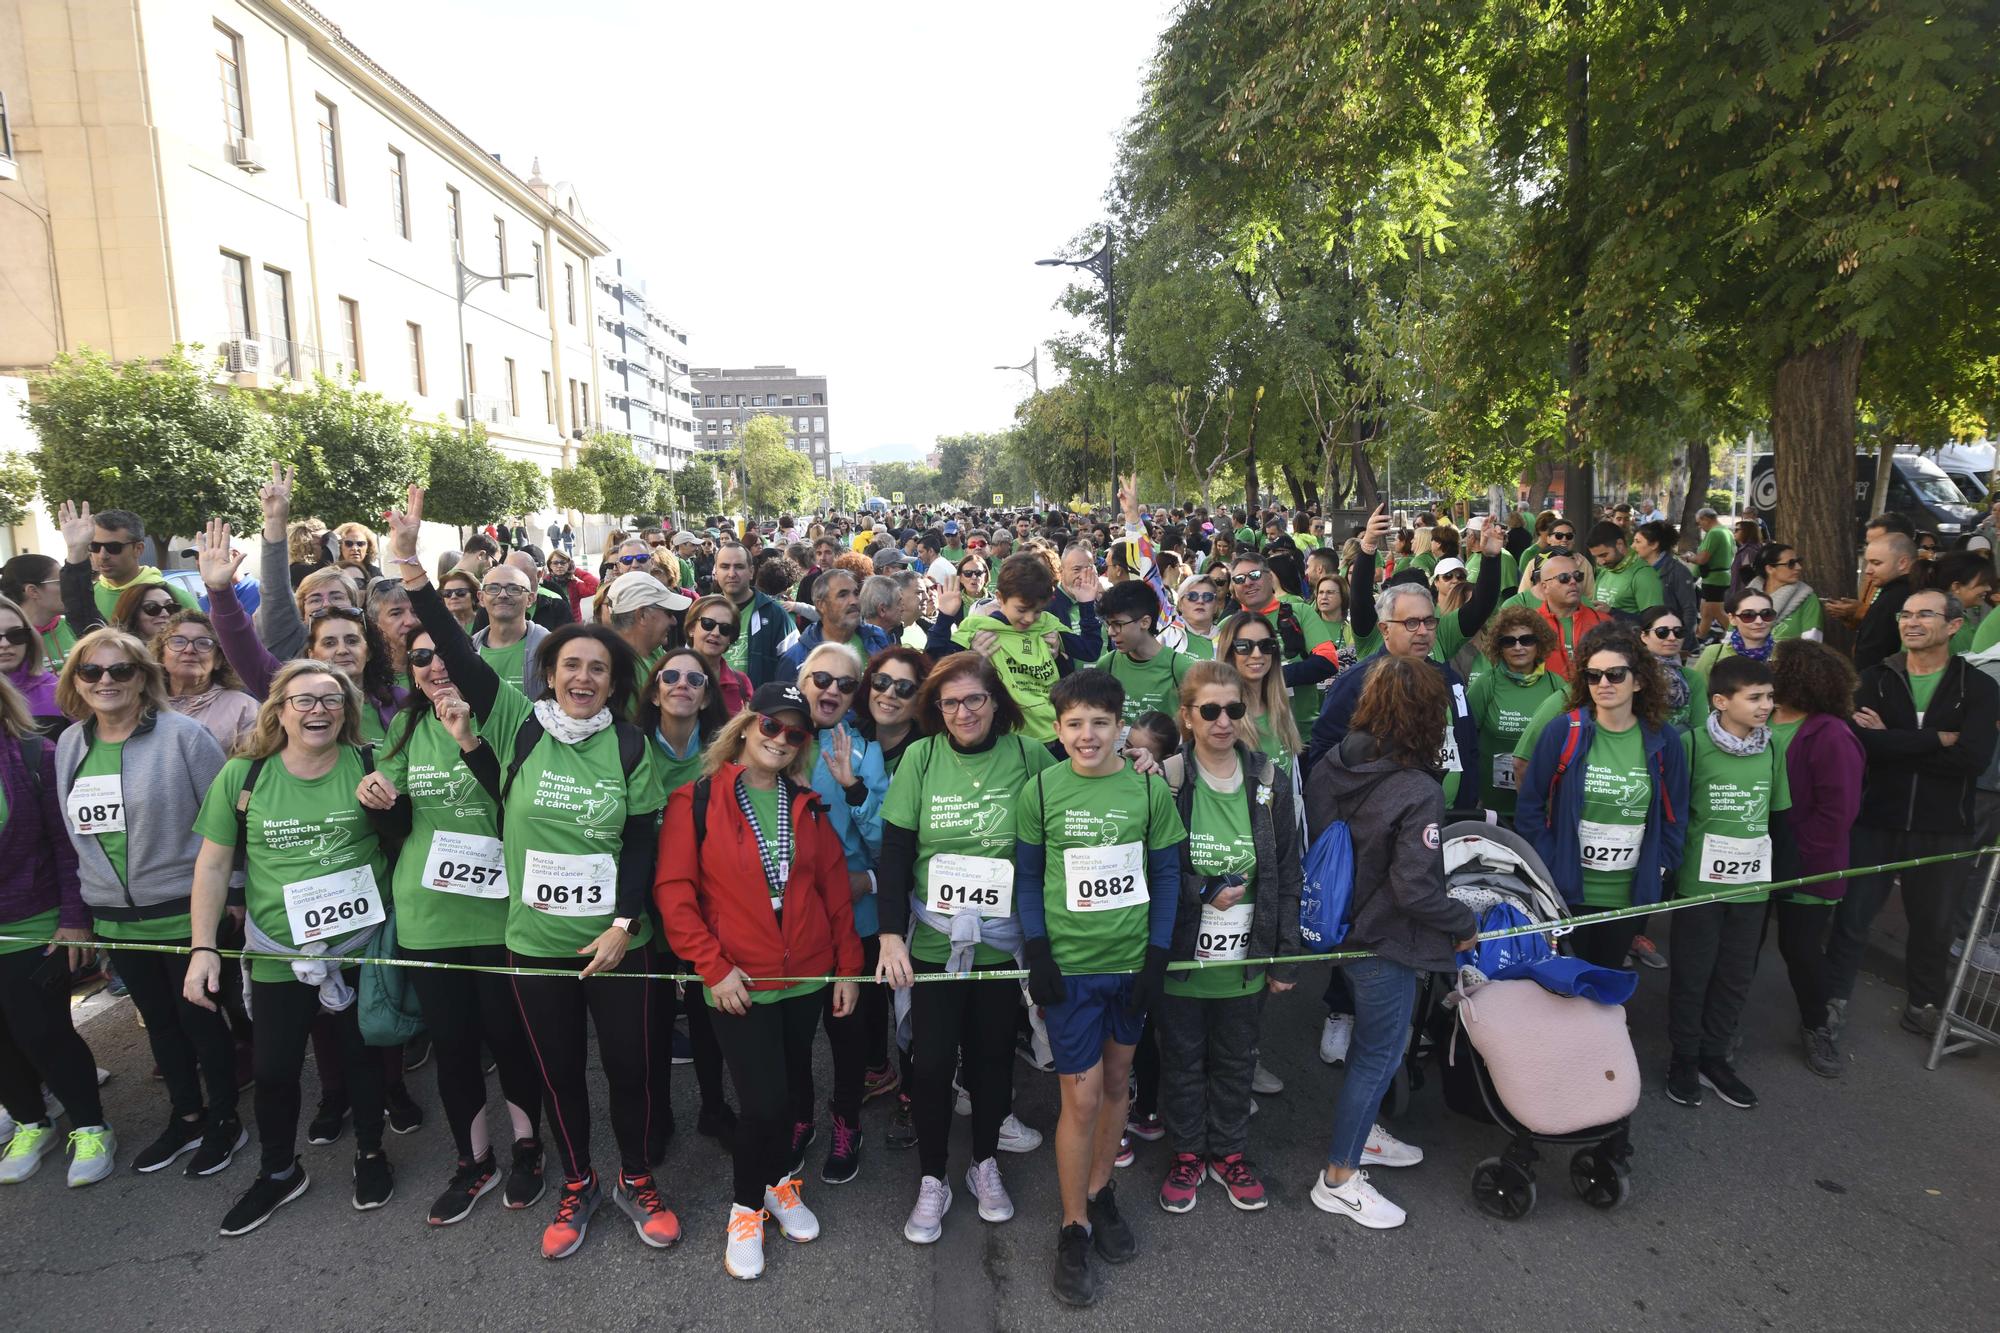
(1574, 976)
(1328, 897)
(1497, 958)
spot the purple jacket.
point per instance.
(38, 688)
(253, 662)
(1823, 765)
(37, 863)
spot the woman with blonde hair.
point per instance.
(711, 626)
(460, 594)
(200, 682)
(1247, 642)
(357, 549)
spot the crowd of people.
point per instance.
(807, 760)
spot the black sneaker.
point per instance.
(1921, 1019)
(325, 1126)
(1684, 1083)
(264, 1197)
(524, 1179)
(1822, 1053)
(180, 1136)
(902, 1131)
(1110, 1233)
(416, 1052)
(219, 1143)
(1072, 1281)
(717, 1122)
(843, 1158)
(1718, 1075)
(374, 1182)
(469, 1183)
(804, 1132)
(405, 1116)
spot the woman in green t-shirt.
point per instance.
(1505, 697)
(1780, 573)
(1751, 620)
(1248, 643)
(315, 881)
(946, 904)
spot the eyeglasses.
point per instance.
(785, 731)
(110, 548)
(506, 592)
(1198, 598)
(971, 703)
(1564, 579)
(118, 671)
(1456, 576)
(674, 675)
(637, 558)
(1919, 615)
(884, 683)
(158, 608)
(726, 628)
(1210, 712)
(454, 592)
(319, 613)
(18, 636)
(1767, 614)
(1415, 624)
(1120, 625)
(1607, 676)
(1665, 631)
(180, 643)
(845, 684)
(1245, 647)
(422, 657)
(1514, 640)
(306, 703)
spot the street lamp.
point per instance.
(1032, 367)
(1099, 265)
(469, 282)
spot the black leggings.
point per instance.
(462, 1010)
(38, 1042)
(860, 1041)
(191, 1044)
(1146, 1072)
(769, 1054)
(554, 1011)
(1605, 943)
(332, 1072)
(285, 1012)
(707, 1049)
(1802, 931)
(975, 1019)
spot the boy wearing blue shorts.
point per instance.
(1097, 881)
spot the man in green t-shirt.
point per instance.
(1149, 671)
(1712, 559)
(1736, 783)
(1626, 584)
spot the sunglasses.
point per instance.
(1565, 578)
(1665, 631)
(453, 593)
(1456, 576)
(1210, 712)
(845, 684)
(674, 675)
(1198, 598)
(1562, 536)
(1607, 676)
(884, 683)
(974, 574)
(353, 541)
(18, 636)
(180, 643)
(785, 731)
(319, 613)
(422, 657)
(118, 671)
(1787, 564)
(158, 608)
(1768, 613)
(1245, 647)
(726, 628)
(1251, 577)
(1514, 640)
(110, 548)
(640, 558)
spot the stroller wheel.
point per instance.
(1602, 1181)
(1503, 1189)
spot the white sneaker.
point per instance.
(1263, 1081)
(1017, 1137)
(744, 1256)
(789, 1211)
(961, 1100)
(92, 1152)
(7, 1127)
(1333, 1039)
(1357, 1200)
(1385, 1149)
(926, 1222)
(983, 1179)
(30, 1144)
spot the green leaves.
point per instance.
(781, 478)
(576, 488)
(352, 448)
(624, 481)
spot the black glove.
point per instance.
(1146, 986)
(1045, 979)
(1291, 635)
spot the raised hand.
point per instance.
(276, 497)
(215, 557)
(840, 757)
(455, 714)
(404, 526)
(73, 517)
(1377, 529)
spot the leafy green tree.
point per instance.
(781, 478)
(695, 489)
(18, 483)
(470, 481)
(1056, 445)
(842, 497)
(624, 480)
(576, 488)
(919, 484)
(530, 485)
(351, 446)
(164, 441)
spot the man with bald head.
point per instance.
(1887, 563)
(510, 640)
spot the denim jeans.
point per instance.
(1385, 997)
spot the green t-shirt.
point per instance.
(1809, 615)
(953, 554)
(1630, 586)
(1220, 843)
(1199, 647)
(568, 805)
(1923, 688)
(1987, 635)
(677, 771)
(1268, 742)
(299, 830)
(1694, 713)
(959, 805)
(737, 654)
(1151, 685)
(1503, 709)
(1096, 831)
(458, 900)
(1617, 794)
(57, 640)
(507, 663)
(41, 926)
(106, 595)
(1721, 550)
(1510, 569)
(1730, 804)
(1546, 712)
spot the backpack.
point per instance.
(1326, 901)
(367, 753)
(631, 751)
(386, 1002)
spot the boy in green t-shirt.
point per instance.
(1147, 670)
(1737, 782)
(1097, 883)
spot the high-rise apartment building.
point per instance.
(648, 392)
(726, 398)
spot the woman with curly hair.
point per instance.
(1505, 698)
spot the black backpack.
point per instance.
(631, 750)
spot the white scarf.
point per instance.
(569, 730)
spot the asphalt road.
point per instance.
(1868, 1202)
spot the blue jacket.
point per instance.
(873, 640)
(1550, 823)
(1338, 711)
(859, 826)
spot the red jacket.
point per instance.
(582, 583)
(717, 911)
(1585, 619)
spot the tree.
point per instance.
(919, 484)
(841, 497)
(781, 478)
(530, 486)
(470, 481)
(695, 490)
(351, 447)
(1055, 442)
(17, 488)
(625, 482)
(164, 441)
(576, 488)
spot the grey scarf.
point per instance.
(1738, 747)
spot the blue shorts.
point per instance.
(1093, 1014)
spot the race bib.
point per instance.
(564, 885)
(983, 885)
(1104, 879)
(1610, 847)
(465, 863)
(97, 805)
(1452, 762)
(1735, 860)
(328, 905)
(1503, 771)
(1225, 933)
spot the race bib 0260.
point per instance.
(325, 906)
(1104, 879)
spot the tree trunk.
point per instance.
(1812, 447)
(1291, 481)
(1885, 468)
(1367, 494)
(1698, 466)
(1577, 488)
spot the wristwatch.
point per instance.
(627, 924)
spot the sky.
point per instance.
(859, 190)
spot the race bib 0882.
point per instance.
(1104, 879)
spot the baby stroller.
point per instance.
(1545, 1067)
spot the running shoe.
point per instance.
(983, 1179)
(1146, 1128)
(1684, 1083)
(902, 1131)
(93, 1149)
(1921, 1019)
(405, 1116)
(7, 1127)
(574, 1208)
(880, 1082)
(1110, 1234)
(1017, 1137)
(1125, 1155)
(1073, 1282)
(1182, 1187)
(325, 1126)
(30, 1144)
(1264, 1082)
(524, 1178)
(374, 1181)
(178, 1138)
(1233, 1173)
(473, 1179)
(1356, 1200)
(1033, 1045)
(638, 1197)
(219, 1142)
(266, 1195)
(743, 1256)
(803, 1134)
(1334, 1037)
(1385, 1149)
(843, 1158)
(416, 1052)
(789, 1211)
(1645, 953)
(926, 1221)
(1822, 1056)
(1720, 1077)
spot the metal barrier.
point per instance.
(1971, 1013)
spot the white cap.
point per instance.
(1451, 564)
(631, 591)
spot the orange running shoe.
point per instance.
(638, 1197)
(574, 1206)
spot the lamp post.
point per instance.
(1099, 265)
(468, 283)
(1032, 368)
